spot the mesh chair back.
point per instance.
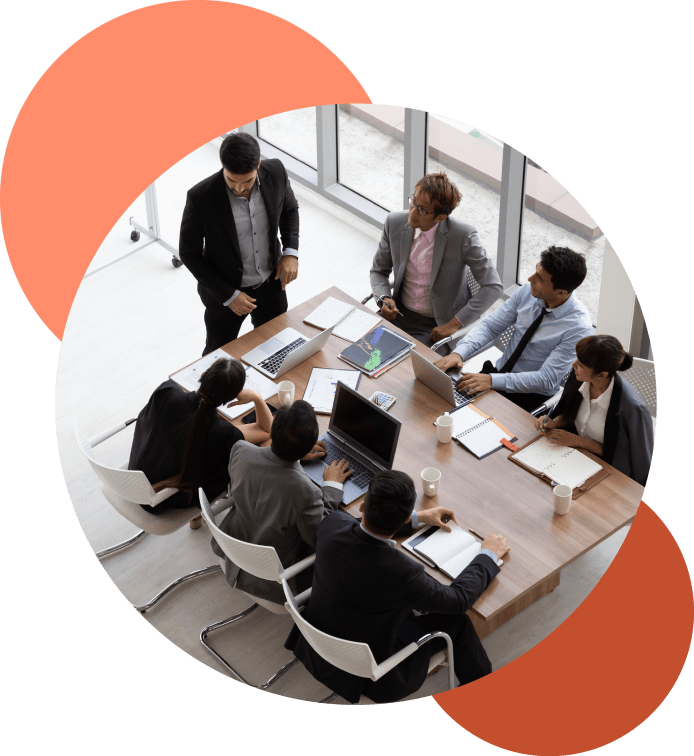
(261, 561)
(131, 485)
(641, 375)
(502, 340)
(472, 286)
(349, 656)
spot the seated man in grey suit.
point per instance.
(549, 321)
(275, 503)
(365, 590)
(429, 253)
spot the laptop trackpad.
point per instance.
(271, 346)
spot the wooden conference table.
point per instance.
(491, 495)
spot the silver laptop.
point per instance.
(285, 350)
(442, 383)
(363, 434)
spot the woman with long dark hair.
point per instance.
(181, 442)
(600, 412)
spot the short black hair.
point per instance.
(294, 431)
(389, 502)
(567, 268)
(240, 153)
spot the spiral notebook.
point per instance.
(477, 432)
(350, 322)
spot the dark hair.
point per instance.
(603, 354)
(240, 153)
(389, 502)
(442, 193)
(294, 431)
(567, 268)
(220, 383)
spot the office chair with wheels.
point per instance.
(125, 490)
(356, 658)
(261, 561)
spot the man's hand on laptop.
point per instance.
(437, 516)
(474, 382)
(452, 361)
(337, 472)
(243, 304)
(317, 452)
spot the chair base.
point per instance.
(223, 623)
(122, 545)
(214, 568)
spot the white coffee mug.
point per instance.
(562, 499)
(285, 390)
(444, 428)
(430, 481)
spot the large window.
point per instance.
(473, 162)
(293, 132)
(553, 216)
(372, 152)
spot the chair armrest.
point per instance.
(295, 569)
(162, 496)
(221, 505)
(100, 437)
(385, 666)
(302, 598)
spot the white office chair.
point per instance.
(261, 561)
(125, 490)
(356, 658)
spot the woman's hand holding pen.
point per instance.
(549, 424)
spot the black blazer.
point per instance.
(365, 590)
(208, 244)
(628, 442)
(157, 447)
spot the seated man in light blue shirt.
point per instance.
(549, 321)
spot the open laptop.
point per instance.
(285, 350)
(442, 383)
(363, 434)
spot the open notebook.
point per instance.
(350, 322)
(558, 463)
(449, 552)
(478, 432)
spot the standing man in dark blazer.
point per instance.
(229, 240)
(429, 253)
(365, 590)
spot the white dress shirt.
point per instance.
(590, 418)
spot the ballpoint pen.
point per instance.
(382, 302)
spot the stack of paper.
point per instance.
(377, 351)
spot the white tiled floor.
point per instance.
(140, 319)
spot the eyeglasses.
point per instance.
(413, 203)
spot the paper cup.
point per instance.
(430, 481)
(444, 428)
(285, 391)
(562, 499)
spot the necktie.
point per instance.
(508, 367)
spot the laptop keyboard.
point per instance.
(361, 475)
(460, 399)
(274, 362)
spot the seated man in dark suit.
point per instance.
(365, 590)
(275, 502)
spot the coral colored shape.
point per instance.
(605, 669)
(126, 102)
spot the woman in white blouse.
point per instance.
(600, 412)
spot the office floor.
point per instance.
(134, 323)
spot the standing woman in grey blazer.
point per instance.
(600, 412)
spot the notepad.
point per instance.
(189, 379)
(350, 322)
(559, 463)
(321, 386)
(449, 552)
(477, 432)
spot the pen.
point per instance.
(383, 302)
(547, 416)
(477, 535)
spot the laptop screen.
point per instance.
(370, 429)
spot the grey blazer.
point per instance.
(275, 504)
(456, 246)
